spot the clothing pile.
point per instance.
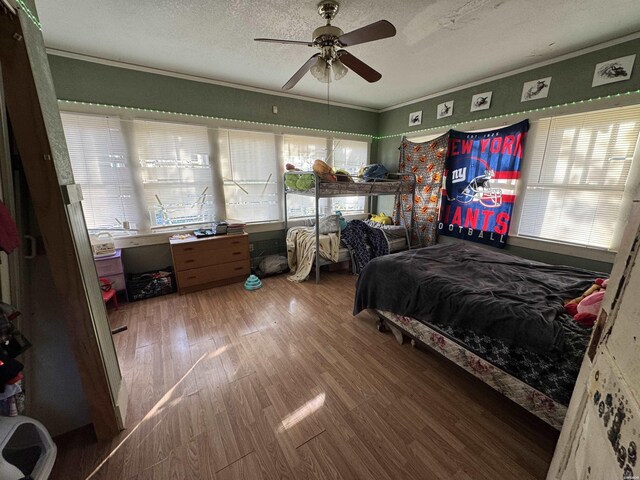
(12, 344)
(357, 236)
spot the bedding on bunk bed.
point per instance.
(463, 286)
(353, 246)
(301, 250)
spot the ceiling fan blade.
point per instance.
(369, 33)
(275, 40)
(358, 66)
(300, 73)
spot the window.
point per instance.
(302, 151)
(348, 155)
(577, 173)
(139, 174)
(251, 176)
(176, 173)
(101, 166)
(351, 156)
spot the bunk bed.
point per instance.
(395, 184)
(499, 317)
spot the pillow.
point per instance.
(329, 224)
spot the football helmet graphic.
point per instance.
(479, 190)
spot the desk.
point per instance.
(110, 267)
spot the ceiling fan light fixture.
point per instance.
(339, 70)
(321, 71)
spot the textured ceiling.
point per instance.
(440, 43)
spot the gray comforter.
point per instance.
(470, 287)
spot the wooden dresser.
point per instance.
(201, 263)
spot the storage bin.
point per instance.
(26, 448)
(150, 284)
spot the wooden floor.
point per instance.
(284, 382)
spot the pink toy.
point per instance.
(589, 307)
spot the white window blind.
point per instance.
(351, 156)
(302, 151)
(100, 165)
(578, 167)
(251, 176)
(176, 173)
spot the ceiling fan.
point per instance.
(330, 40)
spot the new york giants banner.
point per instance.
(480, 180)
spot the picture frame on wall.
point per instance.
(616, 70)
(415, 118)
(536, 89)
(481, 101)
(444, 110)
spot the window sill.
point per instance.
(159, 238)
(571, 250)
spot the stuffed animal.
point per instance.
(585, 308)
(343, 176)
(324, 171)
(341, 220)
(382, 218)
(305, 182)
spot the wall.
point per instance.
(571, 82)
(95, 83)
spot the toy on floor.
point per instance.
(252, 283)
(585, 308)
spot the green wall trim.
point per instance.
(32, 16)
(521, 112)
(208, 117)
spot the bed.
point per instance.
(395, 236)
(396, 185)
(498, 316)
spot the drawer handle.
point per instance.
(188, 249)
(239, 268)
(237, 253)
(189, 261)
(191, 277)
(235, 242)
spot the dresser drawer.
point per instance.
(211, 245)
(108, 266)
(189, 260)
(216, 273)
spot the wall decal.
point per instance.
(415, 118)
(535, 89)
(445, 109)
(481, 101)
(615, 70)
